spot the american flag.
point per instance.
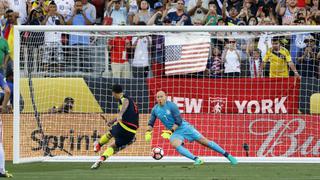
(186, 54)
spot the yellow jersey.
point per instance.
(278, 62)
(46, 3)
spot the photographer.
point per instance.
(118, 13)
(79, 17)
(66, 107)
(79, 43)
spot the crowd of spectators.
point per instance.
(230, 57)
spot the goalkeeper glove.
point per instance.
(148, 136)
(166, 134)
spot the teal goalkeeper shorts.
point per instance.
(187, 132)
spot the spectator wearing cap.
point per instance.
(53, 53)
(179, 17)
(157, 17)
(232, 19)
(287, 11)
(144, 14)
(118, 13)
(197, 9)
(212, 17)
(309, 58)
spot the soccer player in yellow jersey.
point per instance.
(123, 129)
(279, 58)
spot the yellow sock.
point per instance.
(105, 139)
(108, 152)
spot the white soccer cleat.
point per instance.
(97, 164)
(96, 146)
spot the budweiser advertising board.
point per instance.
(264, 135)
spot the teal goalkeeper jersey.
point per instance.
(168, 114)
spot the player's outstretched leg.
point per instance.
(214, 146)
(6, 174)
(102, 141)
(177, 143)
(107, 153)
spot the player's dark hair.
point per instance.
(52, 3)
(275, 39)
(9, 11)
(117, 88)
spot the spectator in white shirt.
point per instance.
(65, 8)
(142, 53)
(231, 59)
(53, 51)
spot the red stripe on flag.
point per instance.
(186, 68)
(194, 44)
(182, 63)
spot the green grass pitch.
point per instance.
(163, 171)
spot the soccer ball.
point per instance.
(157, 153)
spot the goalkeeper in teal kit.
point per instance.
(180, 130)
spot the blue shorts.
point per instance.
(187, 132)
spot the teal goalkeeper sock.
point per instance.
(214, 146)
(185, 152)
